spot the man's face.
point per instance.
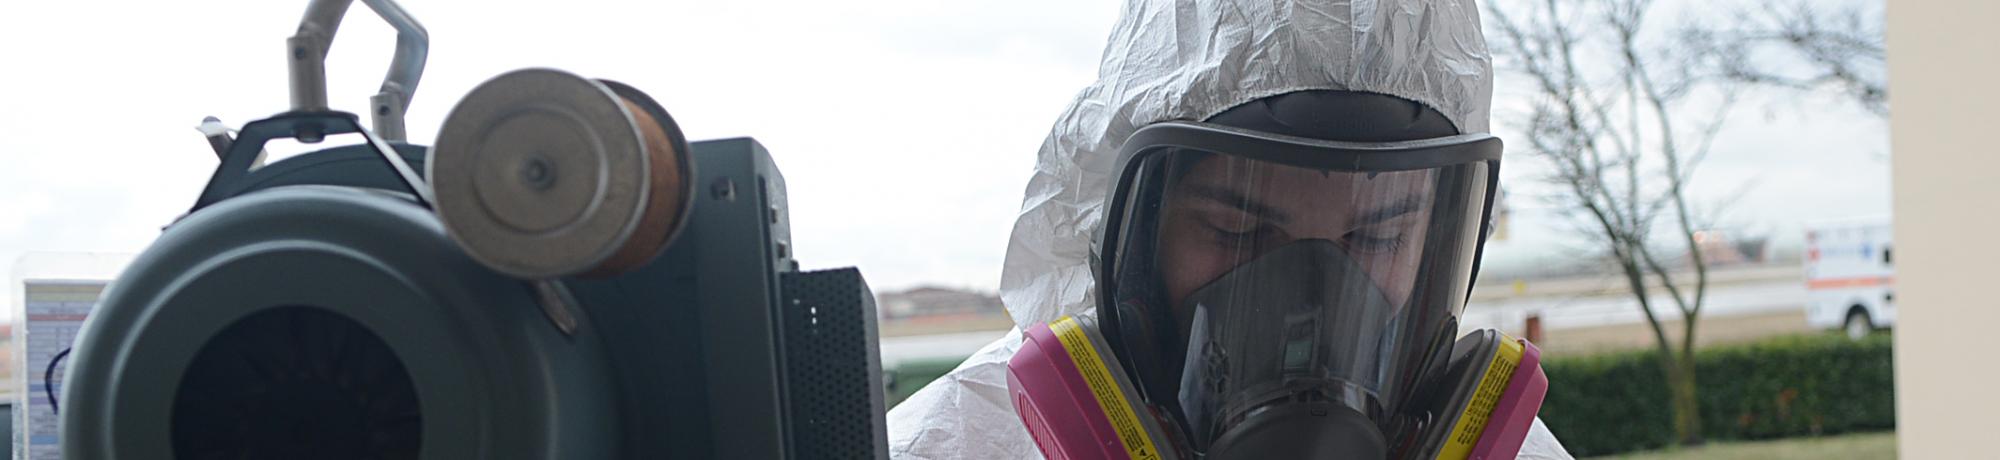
(1226, 211)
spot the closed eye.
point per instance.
(1374, 244)
(1236, 232)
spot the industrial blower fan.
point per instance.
(561, 275)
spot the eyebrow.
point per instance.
(1408, 204)
(1237, 200)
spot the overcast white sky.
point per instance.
(905, 129)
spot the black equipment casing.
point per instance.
(718, 348)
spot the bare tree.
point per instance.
(1624, 123)
(1801, 45)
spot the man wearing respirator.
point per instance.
(1253, 238)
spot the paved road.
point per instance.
(1783, 292)
(1580, 315)
(955, 345)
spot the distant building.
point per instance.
(936, 301)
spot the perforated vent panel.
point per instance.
(833, 366)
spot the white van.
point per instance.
(1850, 276)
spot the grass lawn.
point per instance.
(1847, 446)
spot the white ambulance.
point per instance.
(1850, 275)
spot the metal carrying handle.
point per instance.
(308, 50)
(247, 150)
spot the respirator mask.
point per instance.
(1268, 295)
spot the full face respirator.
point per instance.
(560, 275)
(1265, 294)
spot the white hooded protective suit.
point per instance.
(1186, 60)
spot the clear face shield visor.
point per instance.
(1250, 274)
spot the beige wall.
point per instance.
(1944, 84)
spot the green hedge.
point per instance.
(911, 376)
(1618, 402)
(1788, 386)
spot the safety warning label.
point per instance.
(51, 314)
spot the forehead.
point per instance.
(1276, 181)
